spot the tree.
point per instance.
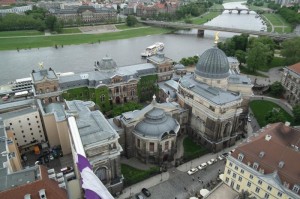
(274, 116)
(50, 22)
(291, 51)
(296, 112)
(257, 56)
(276, 89)
(118, 8)
(131, 20)
(241, 56)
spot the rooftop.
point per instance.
(213, 94)
(92, 125)
(276, 144)
(57, 109)
(222, 191)
(43, 74)
(295, 68)
(18, 113)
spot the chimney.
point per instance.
(42, 194)
(268, 137)
(27, 196)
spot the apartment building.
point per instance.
(267, 166)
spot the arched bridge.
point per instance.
(239, 10)
(201, 29)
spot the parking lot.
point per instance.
(181, 185)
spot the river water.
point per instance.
(79, 58)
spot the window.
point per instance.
(236, 168)
(38, 126)
(251, 176)
(234, 175)
(151, 146)
(23, 136)
(10, 124)
(249, 184)
(29, 124)
(166, 145)
(295, 189)
(257, 189)
(36, 116)
(255, 165)
(259, 182)
(22, 131)
(279, 194)
(139, 143)
(229, 172)
(241, 156)
(227, 180)
(19, 121)
(28, 119)
(242, 171)
(237, 187)
(269, 188)
(31, 129)
(37, 122)
(230, 164)
(267, 195)
(240, 179)
(41, 136)
(40, 131)
(31, 133)
(25, 140)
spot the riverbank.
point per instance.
(38, 41)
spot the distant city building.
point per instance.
(85, 14)
(291, 82)
(17, 10)
(267, 165)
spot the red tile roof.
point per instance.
(281, 147)
(7, 2)
(51, 188)
(295, 68)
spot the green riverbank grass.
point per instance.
(48, 41)
(20, 33)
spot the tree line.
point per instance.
(35, 19)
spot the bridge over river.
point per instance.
(201, 29)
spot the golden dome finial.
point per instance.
(216, 37)
(41, 65)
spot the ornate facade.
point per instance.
(291, 82)
(216, 113)
(150, 134)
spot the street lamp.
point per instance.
(161, 176)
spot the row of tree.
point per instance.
(35, 19)
(189, 61)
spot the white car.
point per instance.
(202, 166)
(220, 157)
(192, 171)
(210, 162)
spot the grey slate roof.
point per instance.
(18, 112)
(213, 94)
(16, 104)
(170, 86)
(107, 64)
(239, 79)
(43, 73)
(156, 123)
(92, 125)
(159, 58)
(213, 63)
(96, 78)
(57, 109)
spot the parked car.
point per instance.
(192, 171)
(66, 170)
(139, 196)
(146, 192)
(202, 166)
(225, 154)
(209, 162)
(221, 157)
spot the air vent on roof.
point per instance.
(268, 137)
(42, 194)
(27, 196)
(50, 171)
(261, 154)
(52, 176)
(62, 185)
(281, 164)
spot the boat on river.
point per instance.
(153, 49)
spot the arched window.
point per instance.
(101, 173)
(132, 92)
(102, 98)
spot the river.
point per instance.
(79, 58)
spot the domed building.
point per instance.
(150, 134)
(214, 95)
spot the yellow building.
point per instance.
(268, 165)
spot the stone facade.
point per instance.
(291, 82)
(164, 66)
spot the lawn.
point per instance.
(70, 30)
(20, 33)
(274, 18)
(246, 71)
(133, 175)
(208, 16)
(46, 41)
(192, 150)
(124, 26)
(260, 108)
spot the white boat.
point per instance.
(153, 49)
